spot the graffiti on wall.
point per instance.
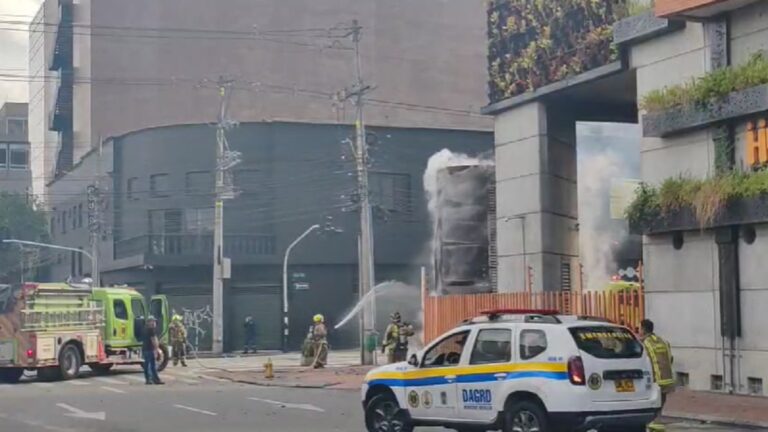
(198, 322)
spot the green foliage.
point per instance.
(713, 86)
(705, 197)
(533, 43)
(20, 220)
(637, 7)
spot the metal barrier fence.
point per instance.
(442, 313)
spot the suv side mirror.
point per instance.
(414, 360)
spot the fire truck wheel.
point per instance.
(70, 362)
(101, 368)
(11, 375)
(162, 362)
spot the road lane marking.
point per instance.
(111, 381)
(78, 413)
(42, 384)
(113, 390)
(135, 378)
(306, 407)
(195, 410)
(77, 382)
(36, 424)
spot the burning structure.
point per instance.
(464, 218)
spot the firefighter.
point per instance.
(319, 342)
(660, 354)
(395, 343)
(178, 335)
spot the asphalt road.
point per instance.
(190, 402)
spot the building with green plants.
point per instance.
(694, 75)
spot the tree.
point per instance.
(21, 220)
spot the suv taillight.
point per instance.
(576, 371)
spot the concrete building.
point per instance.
(704, 282)
(114, 67)
(157, 216)
(15, 176)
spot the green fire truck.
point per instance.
(56, 328)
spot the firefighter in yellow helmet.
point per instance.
(319, 341)
(178, 336)
(395, 343)
(661, 357)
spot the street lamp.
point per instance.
(94, 270)
(285, 282)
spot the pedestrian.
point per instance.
(319, 341)
(660, 353)
(178, 335)
(250, 335)
(151, 351)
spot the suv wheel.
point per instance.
(525, 416)
(383, 414)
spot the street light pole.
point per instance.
(52, 246)
(285, 282)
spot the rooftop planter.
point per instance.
(643, 26)
(722, 95)
(532, 44)
(682, 204)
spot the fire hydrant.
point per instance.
(269, 371)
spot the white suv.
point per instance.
(521, 371)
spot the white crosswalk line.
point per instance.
(113, 390)
(135, 378)
(111, 381)
(77, 382)
(196, 410)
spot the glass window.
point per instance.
(130, 188)
(3, 156)
(198, 182)
(447, 352)
(532, 343)
(492, 346)
(137, 306)
(64, 222)
(80, 215)
(17, 127)
(198, 221)
(159, 185)
(606, 342)
(19, 156)
(391, 192)
(121, 312)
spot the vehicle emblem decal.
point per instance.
(413, 399)
(595, 381)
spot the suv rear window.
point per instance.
(607, 342)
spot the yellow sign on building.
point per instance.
(757, 143)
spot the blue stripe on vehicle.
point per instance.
(477, 378)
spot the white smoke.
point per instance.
(439, 161)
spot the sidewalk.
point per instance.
(718, 408)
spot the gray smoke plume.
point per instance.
(456, 187)
(607, 153)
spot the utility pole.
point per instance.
(367, 277)
(94, 228)
(225, 160)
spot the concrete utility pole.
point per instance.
(225, 160)
(94, 228)
(367, 277)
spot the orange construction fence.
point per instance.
(442, 313)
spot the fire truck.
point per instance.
(57, 328)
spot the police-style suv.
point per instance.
(522, 371)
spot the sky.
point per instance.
(13, 47)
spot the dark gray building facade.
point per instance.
(156, 215)
(15, 175)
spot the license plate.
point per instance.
(625, 386)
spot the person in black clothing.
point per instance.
(151, 349)
(250, 335)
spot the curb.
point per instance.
(677, 415)
(284, 385)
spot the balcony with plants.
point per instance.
(726, 94)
